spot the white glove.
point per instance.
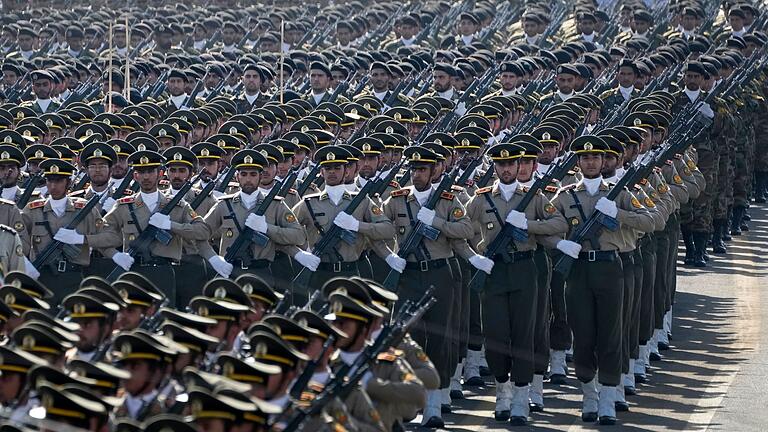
(222, 267)
(517, 219)
(706, 111)
(256, 223)
(461, 109)
(397, 263)
(482, 263)
(569, 248)
(123, 260)
(108, 204)
(426, 215)
(307, 259)
(30, 269)
(69, 236)
(347, 222)
(606, 207)
(161, 221)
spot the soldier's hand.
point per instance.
(426, 216)
(30, 269)
(123, 259)
(307, 259)
(69, 236)
(347, 222)
(569, 248)
(706, 111)
(108, 204)
(395, 262)
(221, 266)
(606, 207)
(482, 263)
(256, 223)
(161, 221)
(517, 219)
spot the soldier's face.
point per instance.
(610, 163)
(318, 80)
(147, 178)
(211, 425)
(591, 164)
(626, 77)
(641, 26)
(249, 180)
(379, 79)
(176, 86)
(688, 22)
(57, 186)
(177, 175)
(42, 88)
(441, 81)
(736, 22)
(421, 176)
(268, 175)
(211, 80)
(506, 171)
(143, 377)
(284, 166)
(228, 35)
(120, 168)
(90, 332)
(9, 174)
(526, 168)
(26, 42)
(565, 83)
(467, 27)
(587, 26)
(693, 80)
(98, 171)
(333, 173)
(130, 318)
(408, 31)
(350, 172)
(367, 166)
(10, 78)
(343, 35)
(530, 28)
(10, 385)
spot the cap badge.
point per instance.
(588, 146)
(49, 122)
(330, 156)
(144, 160)
(39, 154)
(220, 293)
(546, 136)
(28, 342)
(416, 156)
(504, 153)
(5, 155)
(78, 308)
(248, 159)
(205, 152)
(295, 141)
(54, 169)
(98, 153)
(162, 132)
(637, 122)
(260, 350)
(366, 147)
(232, 130)
(178, 156)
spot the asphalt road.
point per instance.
(714, 378)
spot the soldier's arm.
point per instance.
(212, 225)
(475, 209)
(287, 231)
(16, 221)
(192, 227)
(657, 213)
(420, 364)
(457, 225)
(375, 225)
(401, 384)
(549, 221)
(16, 254)
(550, 241)
(97, 235)
(113, 223)
(632, 214)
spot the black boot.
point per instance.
(700, 246)
(718, 245)
(760, 187)
(726, 225)
(689, 247)
(736, 218)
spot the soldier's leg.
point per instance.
(100, 266)
(541, 329)
(580, 300)
(720, 205)
(740, 192)
(475, 363)
(559, 329)
(379, 267)
(191, 276)
(365, 266)
(646, 305)
(282, 272)
(456, 327)
(634, 327)
(701, 225)
(523, 304)
(497, 333)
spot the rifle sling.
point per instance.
(319, 228)
(421, 251)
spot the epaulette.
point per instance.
(234, 196)
(164, 182)
(551, 188)
(394, 184)
(293, 191)
(317, 195)
(457, 188)
(644, 181)
(36, 204)
(6, 228)
(570, 186)
(387, 357)
(7, 201)
(678, 156)
(525, 189)
(79, 203)
(447, 195)
(572, 172)
(126, 200)
(469, 183)
(484, 190)
(315, 386)
(604, 95)
(668, 162)
(400, 192)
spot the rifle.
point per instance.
(81, 184)
(382, 184)
(217, 90)
(152, 233)
(311, 176)
(306, 375)
(239, 248)
(191, 97)
(509, 232)
(361, 85)
(29, 188)
(212, 41)
(224, 179)
(43, 49)
(287, 184)
(152, 322)
(421, 230)
(348, 376)
(124, 184)
(157, 88)
(335, 233)
(69, 251)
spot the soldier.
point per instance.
(381, 75)
(565, 80)
(616, 98)
(317, 212)
(141, 304)
(252, 97)
(510, 347)
(46, 220)
(15, 364)
(134, 214)
(42, 86)
(596, 280)
(96, 320)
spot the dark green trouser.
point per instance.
(648, 245)
(660, 286)
(433, 332)
(323, 274)
(461, 310)
(62, 283)
(637, 301)
(594, 294)
(475, 338)
(509, 314)
(191, 275)
(283, 272)
(541, 327)
(673, 228)
(100, 266)
(365, 266)
(628, 264)
(560, 338)
(163, 276)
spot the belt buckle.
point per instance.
(337, 267)
(243, 266)
(592, 256)
(424, 265)
(62, 266)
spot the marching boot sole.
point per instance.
(621, 406)
(557, 379)
(589, 417)
(501, 416)
(457, 394)
(518, 421)
(434, 423)
(641, 379)
(630, 391)
(474, 382)
(607, 420)
(535, 408)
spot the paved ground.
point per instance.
(714, 378)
